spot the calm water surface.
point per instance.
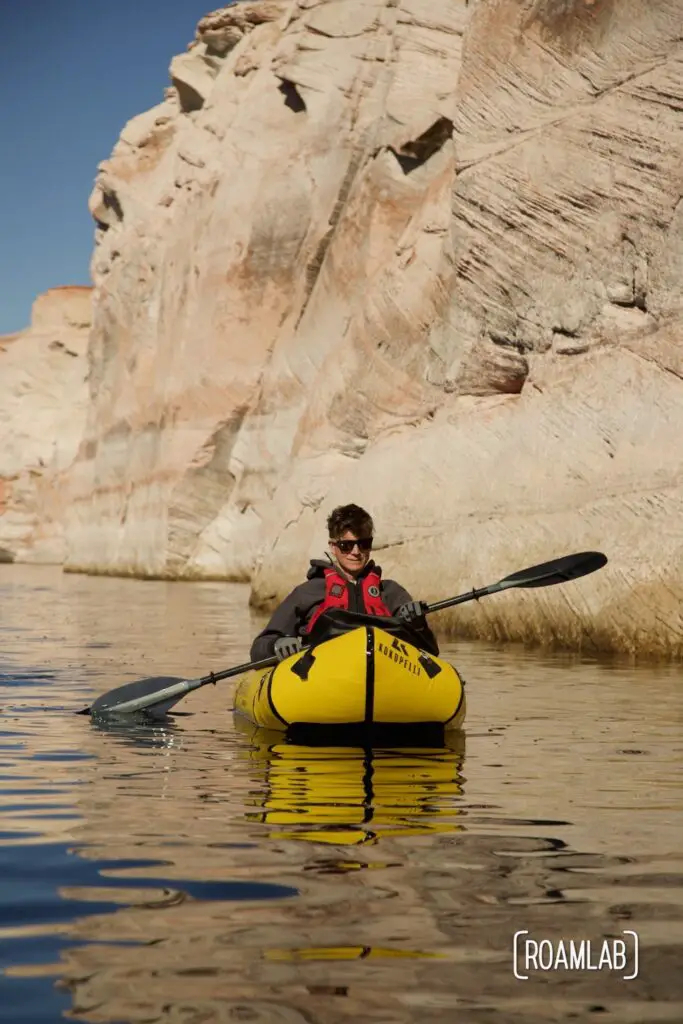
(196, 873)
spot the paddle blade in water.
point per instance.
(109, 702)
(158, 694)
(560, 570)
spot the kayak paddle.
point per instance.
(547, 574)
(162, 692)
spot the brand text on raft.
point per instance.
(535, 955)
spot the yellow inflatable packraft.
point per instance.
(363, 677)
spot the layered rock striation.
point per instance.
(422, 255)
(222, 218)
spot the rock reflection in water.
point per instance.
(203, 948)
(191, 872)
(414, 924)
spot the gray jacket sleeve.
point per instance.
(289, 618)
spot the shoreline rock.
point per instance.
(43, 398)
(427, 257)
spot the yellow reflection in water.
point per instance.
(350, 953)
(352, 795)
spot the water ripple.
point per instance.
(273, 882)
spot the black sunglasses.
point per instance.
(347, 546)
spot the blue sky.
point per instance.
(72, 73)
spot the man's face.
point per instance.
(352, 561)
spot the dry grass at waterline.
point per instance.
(647, 626)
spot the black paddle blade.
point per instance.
(560, 570)
(107, 702)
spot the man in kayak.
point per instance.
(350, 580)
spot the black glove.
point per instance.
(411, 611)
(286, 646)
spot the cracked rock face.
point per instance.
(422, 255)
(43, 398)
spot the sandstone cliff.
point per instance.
(43, 398)
(422, 255)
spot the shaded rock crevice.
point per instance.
(414, 154)
(292, 97)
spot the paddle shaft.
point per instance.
(126, 701)
(183, 686)
(471, 595)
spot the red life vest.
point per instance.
(337, 595)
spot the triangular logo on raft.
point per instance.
(398, 646)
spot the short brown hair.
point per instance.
(350, 517)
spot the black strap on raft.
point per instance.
(338, 622)
(430, 666)
(303, 666)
